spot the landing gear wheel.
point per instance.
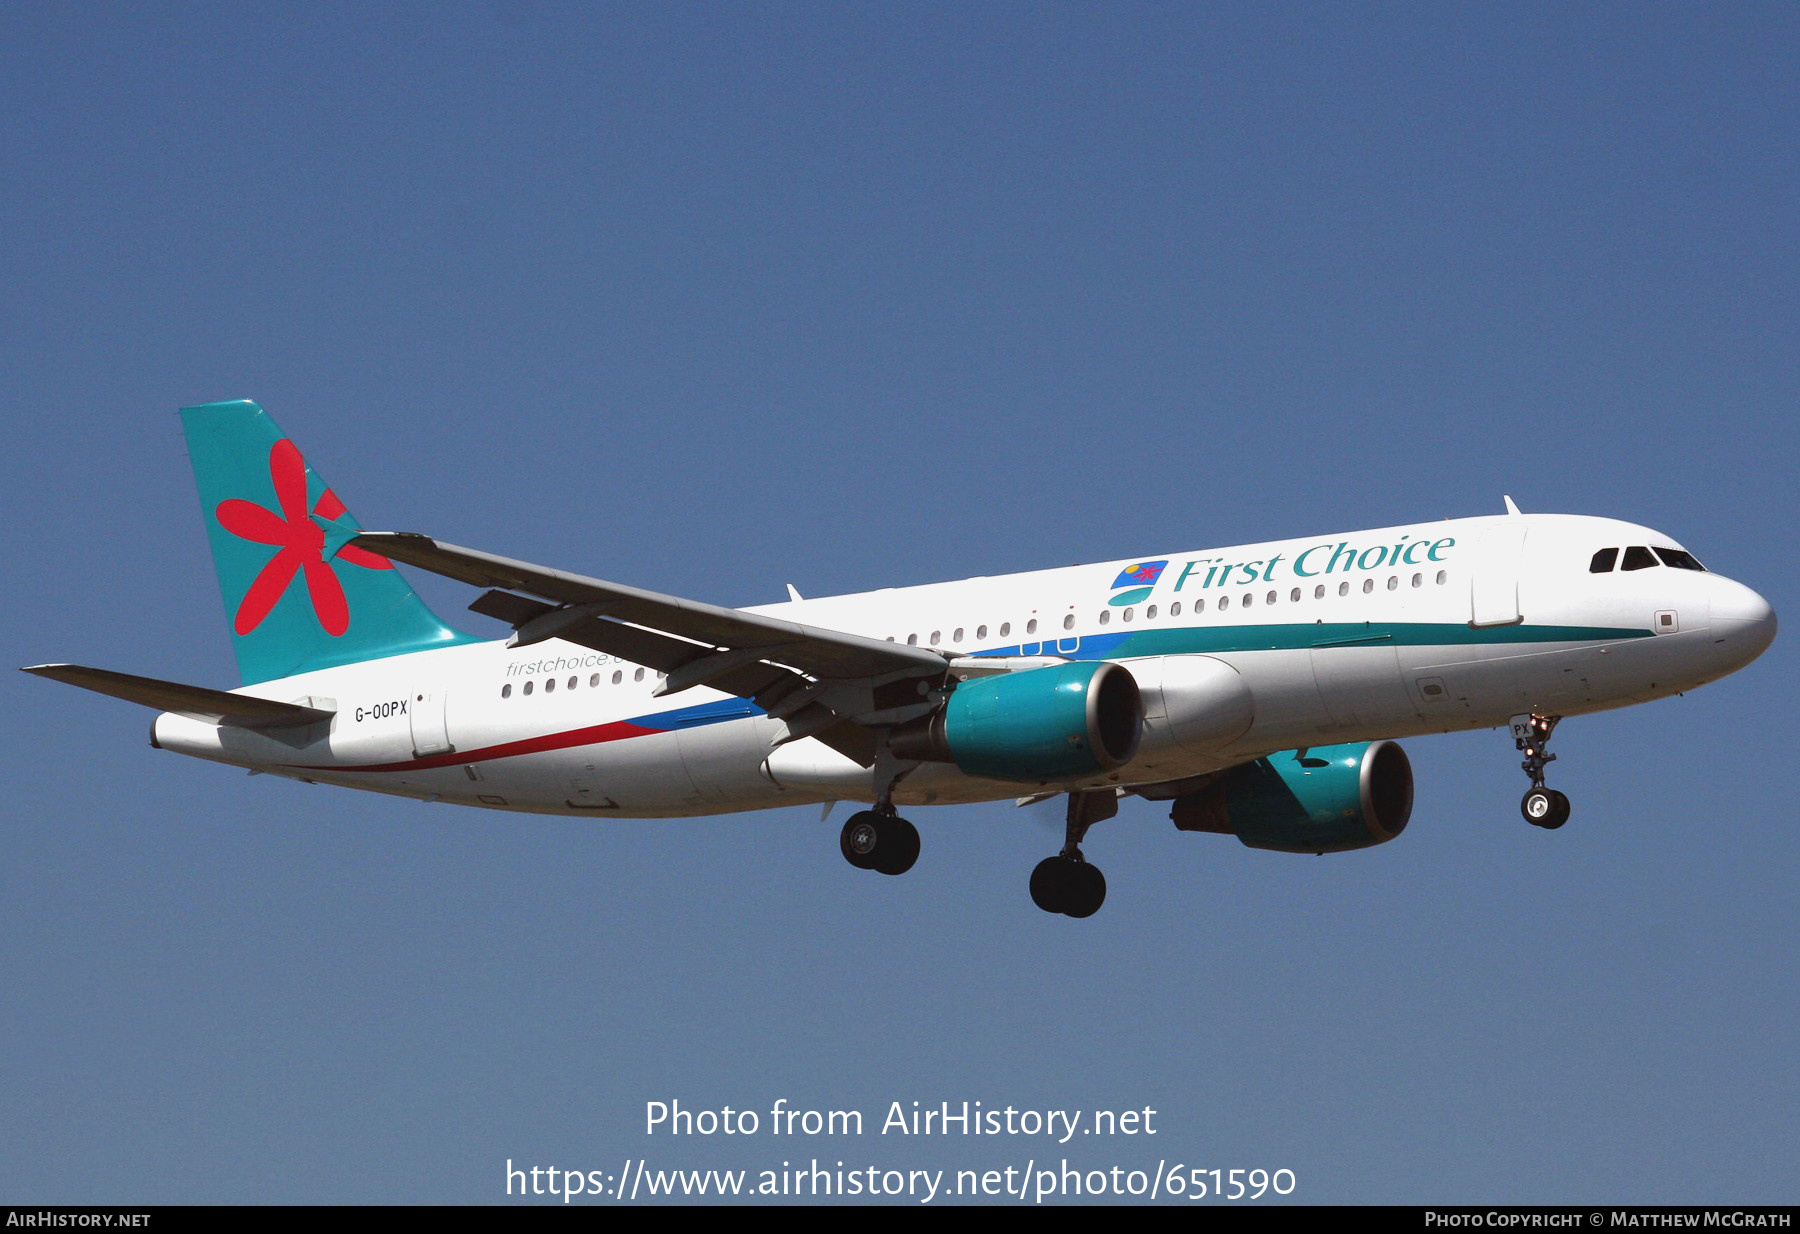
(899, 846)
(1067, 886)
(860, 838)
(1086, 893)
(883, 842)
(1050, 882)
(1545, 807)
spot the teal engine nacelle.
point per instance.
(1326, 799)
(1040, 725)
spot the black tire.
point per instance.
(1050, 883)
(1086, 891)
(860, 839)
(898, 846)
(1545, 807)
(1559, 812)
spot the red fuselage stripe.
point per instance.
(597, 734)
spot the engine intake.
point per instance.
(1041, 725)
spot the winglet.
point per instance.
(338, 532)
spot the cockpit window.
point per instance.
(1637, 557)
(1679, 558)
(1603, 561)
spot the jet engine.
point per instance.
(1324, 799)
(1041, 725)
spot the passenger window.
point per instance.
(1443, 577)
(1344, 588)
(1069, 622)
(1680, 559)
(1294, 596)
(1270, 598)
(638, 676)
(1224, 603)
(1031, 626)
(1175, 609)
(1247, 600)
(1125, 616)
(1604, 561)
(912, 640)
(527, 687)
(1319, 592)
(1199, 607)
(1637, 557)
(573, 682)
(1005, 628)
(593, 681)
(1150, 613)
(1368, 585)
(506, 690)
(1418, 580)
(980, 631)
(1105, 617)
(957, 637)
(550, 685)
(937, 636)
(1393, 581)
(618, 676)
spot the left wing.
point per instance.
(829, 684)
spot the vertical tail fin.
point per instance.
(297, 596)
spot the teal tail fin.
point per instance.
(299, 598)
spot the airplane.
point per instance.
(1255, 690)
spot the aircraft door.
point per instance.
(430, 729)
(1494, 576)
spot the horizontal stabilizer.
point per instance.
(195, 702)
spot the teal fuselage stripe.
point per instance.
(1295, 636)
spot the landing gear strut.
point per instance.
(1066, 883)
(1541, 806)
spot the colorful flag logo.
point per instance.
(1143, 574)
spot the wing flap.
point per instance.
(654, 650)
(196, 702)
(783, 693)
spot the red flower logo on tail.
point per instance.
(302, 544)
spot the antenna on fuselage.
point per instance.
(1511, 508)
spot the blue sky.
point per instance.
(712, 298)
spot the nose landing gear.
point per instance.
(1541, 806)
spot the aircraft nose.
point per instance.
(1742, 620)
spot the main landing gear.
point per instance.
(1066, 883)
(879, 840)
(1541, 806)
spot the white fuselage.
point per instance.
(1239, 652)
